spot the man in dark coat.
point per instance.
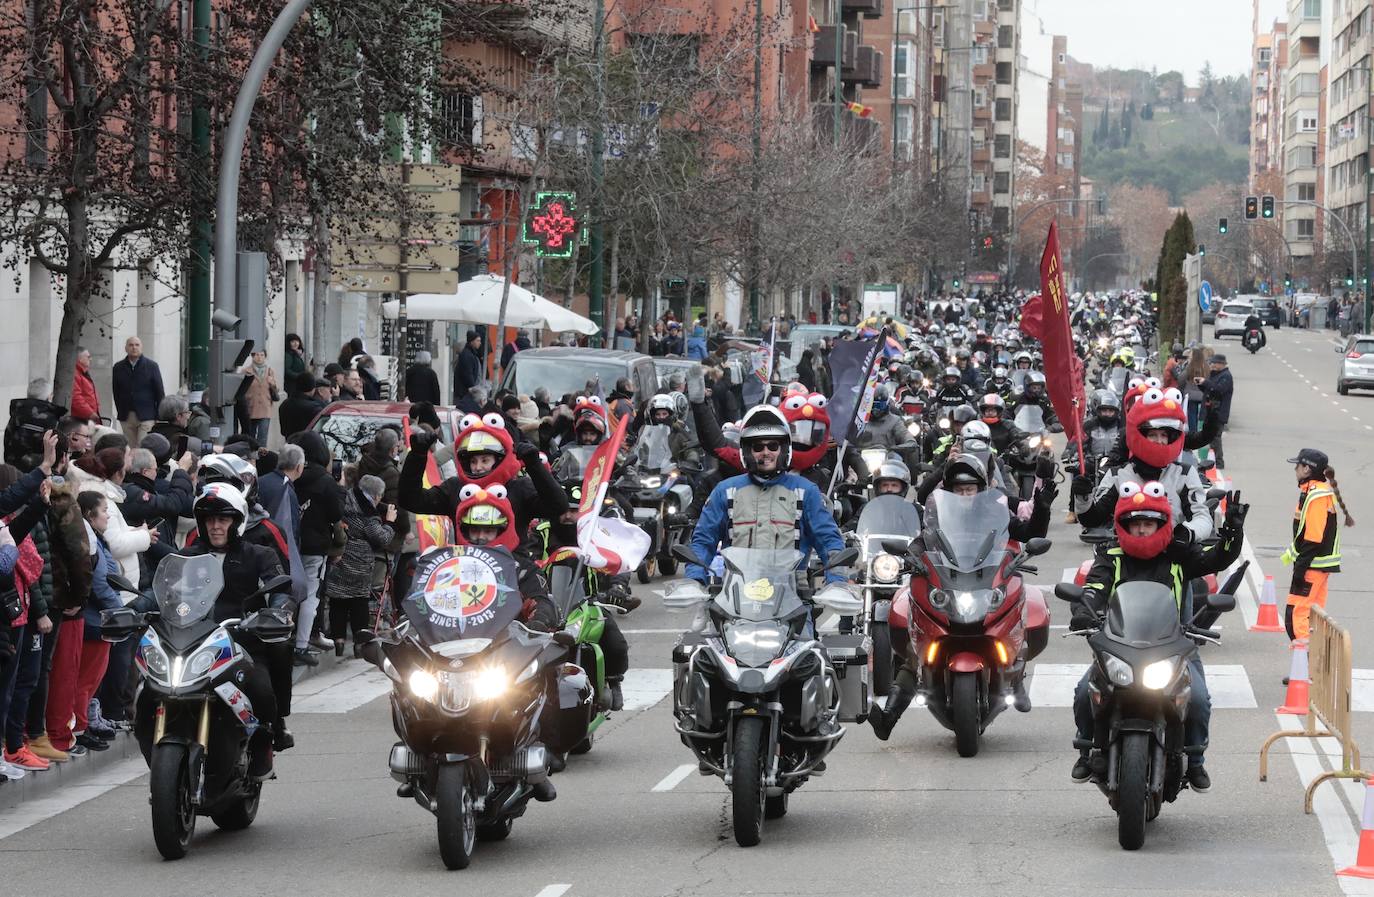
(301, 405)
(467, 371)
(137, 386)
(1218, 388)
(422, 384)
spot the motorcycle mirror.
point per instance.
(120, 584)
(843, 557)
(565, 638)
(1221, 602)
(1037, 547)
(898, 547)
(685, 553)
(1067, 591)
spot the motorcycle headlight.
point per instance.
(1158, 674)
(939, 599)
(886, 568)
(1033, 442)
(651, 482)
(755, 644)
(1119, 671)
(490, 682)
(913, 428)
(155, 659)
(965, 603)
(944, 423)
(424, 685)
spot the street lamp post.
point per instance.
(1011, 255)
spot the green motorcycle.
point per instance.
(585, 617)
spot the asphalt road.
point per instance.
(901, 817)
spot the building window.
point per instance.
(980, 10)
(1001, 182)
(456, 119)
(1004, 73)
(980, 98)
(1307, 192)
(1307, 124)
(1006, 37)
(980, 54)
(980, 182)
(1001, 146)
(1306, 227)
(937, 29)
(903, 70)
(1006, 5)
(1311, 9)
(980, 139)
(1003, 112)
(1065, 161)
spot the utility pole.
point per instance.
(835, 134)
(198, 261)
(758, 155)
(596, 299)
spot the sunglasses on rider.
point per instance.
(768, 445)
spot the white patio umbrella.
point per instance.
(478, 301)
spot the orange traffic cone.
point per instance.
(1268, 619)
(1296, 700)
(1364, 856)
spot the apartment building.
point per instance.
(1302, 143)
(1005, 102)
(1346, 130)
(902, 107)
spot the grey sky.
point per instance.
(1167, 34)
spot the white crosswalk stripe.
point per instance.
(1052, 685)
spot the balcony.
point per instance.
(823, 50)
(868, 68)
(869, 9)
(856, 134)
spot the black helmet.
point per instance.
(963, 414)
(765, 422)
(965, 470)
(952, 372)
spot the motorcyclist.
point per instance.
(952, 391)
(887, 430)
(1145, 551)
(485, 455)
(1000, 382)
(1154, 439)
(258, 526)
(892, 478)
(968, 371)
(1033, 393)
(1005, 435)
(220, 514)
(1254, 322)
(662, 410)
(965, 476)
(1103, 428)
(767, 507)
(937, 443)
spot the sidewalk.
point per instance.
(80, 770)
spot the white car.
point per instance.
(1231, 319)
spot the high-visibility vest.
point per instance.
(1325, 561)
(1175, 572)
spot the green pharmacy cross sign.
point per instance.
(551, 223)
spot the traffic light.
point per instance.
(1251, 207)
(1267, 207)
(1349, 277)
(1222, 226)
(956, 281)
(1287, 280)
(987, 242)
(1201, 250)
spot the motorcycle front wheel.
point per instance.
(964, 712)
(457, 824)
(646, 570)
(1133, 790)
(169, 787)
(747, 789)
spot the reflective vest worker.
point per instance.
(1315, 552)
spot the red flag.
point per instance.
(1050, 325)
(597, 477)
(607, 543)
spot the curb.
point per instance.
(77, 770)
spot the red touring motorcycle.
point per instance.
(973, 623)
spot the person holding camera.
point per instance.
(370, 523)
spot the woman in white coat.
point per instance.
(104, 472)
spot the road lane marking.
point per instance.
(367, 683)
(645, 688)
(1052, 685)
(29, 813)
(554, 891)
(674, 778)
(678, 631)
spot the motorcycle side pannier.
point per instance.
(849, 654)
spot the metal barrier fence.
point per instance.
(1329, 671)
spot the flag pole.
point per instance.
(863, 385)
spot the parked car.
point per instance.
(1356, 370)
(566, 370)
(1231, 318)
(1267, 307)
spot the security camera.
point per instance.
(224, 320)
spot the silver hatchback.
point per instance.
(1357, 364)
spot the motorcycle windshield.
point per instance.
(760, 583)
(1030, 419)
(1142, 614)
(966, 534)
(186, 588)
(653, 450)
(886, 517)
(1117, 381)
(565, 588)
(463, 592)
(572, 463)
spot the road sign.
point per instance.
(388, 280)
(410, 231)
(1204, 296)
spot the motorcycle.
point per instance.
(1139, 691)
(757, 696)
(1030, 419)
(660, 493)
(887, 519)
(1253, 340)
(196, 728)
(585, 618)
(478, 700)
(972, 622)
